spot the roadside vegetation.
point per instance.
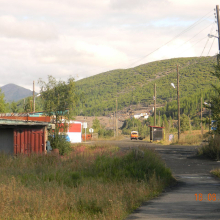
(216, 172)
(212, 150)
(94, 182)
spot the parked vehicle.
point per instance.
(134, 135)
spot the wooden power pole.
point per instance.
(33, 97)
(218, 23)
(178, 102)
(155, 104)
(201, 119)
(116, 118)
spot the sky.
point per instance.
(81, 38)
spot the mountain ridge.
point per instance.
(14, 92)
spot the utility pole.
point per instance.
(155, 104)
(159, 119)
(218, 23)
(201, 119)
(24, 104)
(33, 98)
(178, 102)
(114, 124)
(116, 118)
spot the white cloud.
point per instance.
(83, 38)
(32, 30)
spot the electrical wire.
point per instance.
(194, 44)
(207, 39)
(194, 36)
(211, 44)
(196, 23)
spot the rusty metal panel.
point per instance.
(29, 140)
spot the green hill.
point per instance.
(136, 85)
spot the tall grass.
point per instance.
(187, 138)
(212, 150)
(93, 183)
(216, 172)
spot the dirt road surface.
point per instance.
(194, 183)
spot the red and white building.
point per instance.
(75, 131)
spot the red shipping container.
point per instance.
(29, 140)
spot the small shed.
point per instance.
(73, 129)
(156, 133)
(23, 137)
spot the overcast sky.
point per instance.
(81, 38)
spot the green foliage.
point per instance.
(138, 165)
(102, 132)
(26, 105)
(184, 123)
(136, 85)
(87, 185)
(212, 150)
(3, 105)
(216, 172)
(96, 125)
(59, 97)
(215, 99)
(59, 142)
(14, 107)
(133, 124)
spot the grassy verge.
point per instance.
(216, 172)
(92, 183)
(212, 149)
(187, 138)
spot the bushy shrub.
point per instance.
(60, 142)
(212, 150)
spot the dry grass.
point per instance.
(212, 149)
(216, 172)
(187, 138)
(95, 182)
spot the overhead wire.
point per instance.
(195, 44)
(211, 45)
(208, 39)
(194, 36)
(190, 27)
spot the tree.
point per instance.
(96, 124)
(59, 99)
(3, 105)
(214, 104)
(14, 107)
(184, 123)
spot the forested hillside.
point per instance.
(136, 85)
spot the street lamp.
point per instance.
(211, 35)
(178, 101)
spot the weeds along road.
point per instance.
(194, 183)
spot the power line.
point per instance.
(194, 24)
(195, 35)
(211, 44)
(194, 44)
(208, 38)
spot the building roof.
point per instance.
(9, 122)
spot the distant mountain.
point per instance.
(15, 93)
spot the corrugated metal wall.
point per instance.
(29, 140)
